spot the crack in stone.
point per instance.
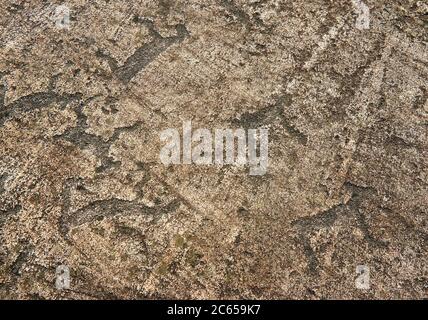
(326, 219)
(351, 85)
(3, 179)
(34, 101)
(145, 54)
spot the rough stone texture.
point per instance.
(81, 183)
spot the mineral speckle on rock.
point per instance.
(86, 87)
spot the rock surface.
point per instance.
(82, 103)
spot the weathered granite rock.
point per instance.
(82, 103)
